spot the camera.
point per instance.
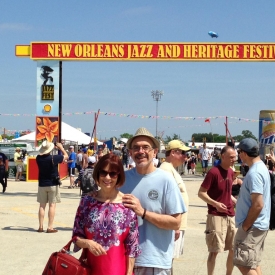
(57, 180)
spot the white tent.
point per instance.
(68, 133)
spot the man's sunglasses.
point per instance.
(112, 175)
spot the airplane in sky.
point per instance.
(213, 34)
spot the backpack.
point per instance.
(272, 196)
(87, 183)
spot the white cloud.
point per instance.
(14, 27)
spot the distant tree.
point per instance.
(126, 135)
(248, 134)
(219, 138)
(199, 137)
(169, 138)
(245, 134)
(238, 138)
(7, 137)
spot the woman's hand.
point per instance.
(95, 248)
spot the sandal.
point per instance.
(51, 230)
(40, 230)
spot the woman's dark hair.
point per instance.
(115, 165)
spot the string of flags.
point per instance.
(11, 132)
(207, 119)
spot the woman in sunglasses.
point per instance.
(104, 226)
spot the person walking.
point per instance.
(71, 166)
(252, 210)
(48, 185)
(154, 196)
(79, 157)
(125, 156)
(205, 157)
(3, 179)
(5, 171)
(216, 191)
(18, 163)
(175, 156)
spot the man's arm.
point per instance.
(60, 147)
(254, 211)
(164, 221)
(204, 196)
(130, 265)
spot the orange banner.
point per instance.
(122, 51)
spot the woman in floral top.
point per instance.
(104, 226)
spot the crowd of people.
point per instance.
(134, 219)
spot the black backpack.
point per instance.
(87, 183)
(272, 195)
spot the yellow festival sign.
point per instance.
(147, 51)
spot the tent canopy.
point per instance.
(67, 133)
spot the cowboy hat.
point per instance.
(46, 147)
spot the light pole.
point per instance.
(157, 97)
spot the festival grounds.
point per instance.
(25, 252)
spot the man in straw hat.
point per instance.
(154, 196)
(175, 156)
(48, 185)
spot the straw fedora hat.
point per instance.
(46, 147)
(142, 132)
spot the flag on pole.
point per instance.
(207, 120)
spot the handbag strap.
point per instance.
(84, 253)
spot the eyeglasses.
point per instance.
(103, 174)
(145, 148)
(180, 151)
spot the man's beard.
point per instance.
(142, 164)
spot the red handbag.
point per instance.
(62, 263)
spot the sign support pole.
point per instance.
(60, 101)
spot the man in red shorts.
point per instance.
(220, 225)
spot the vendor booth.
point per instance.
(70, 136)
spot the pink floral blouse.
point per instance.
(114, 227)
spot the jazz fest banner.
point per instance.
(147, 51)
(47, 101)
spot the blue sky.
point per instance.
(198, 89)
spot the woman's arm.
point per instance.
(94, 247)
(130, 265)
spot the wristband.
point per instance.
(144, 213)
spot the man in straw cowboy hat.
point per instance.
(176, 152)
(154, 196)
(48, 185)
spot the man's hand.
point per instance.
(132, 202)
(221, 207)
(177, 234)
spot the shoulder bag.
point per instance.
(62, 263)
